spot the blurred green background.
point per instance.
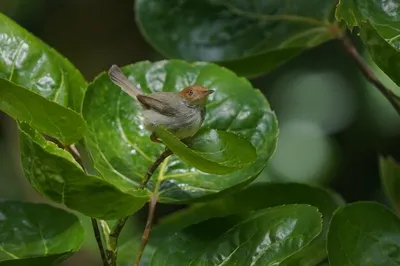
(333, 123)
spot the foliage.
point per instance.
(226, 221)
(37, 234)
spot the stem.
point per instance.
(153, 201)
(112, 248)
(74, 152)
(368, 74)
(154, 166)
(96, 231)
(147, 229)
(109, 256)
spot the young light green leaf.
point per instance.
(46, 116)
(37, 234)
(121, 148)
(390, 177)
(364, 233)
(265, 237)
(211, 151)
(54, 174)
(28, 62)
(379, 26)
(249, 37)
(256, 197)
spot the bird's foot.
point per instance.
(154, 138)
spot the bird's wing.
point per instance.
(119, 79)
(163, 103)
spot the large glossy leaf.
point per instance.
(122, 151)
(258, 196)
(54, 174)
(30, 63)
(211, 151)
(249, 37)
(266, 237)
(46, 116)
(37, 234)
(39, 70)
(379, 26)
(364, 233)
(390, 177)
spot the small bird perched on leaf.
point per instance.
(182, 113)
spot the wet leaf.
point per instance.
(121, 148)
(27, 61)
(256, 197)
(364, 233)
(46, 116)
(212, 151)
(249, 37)
(48, 84)
(390, 177)
(54, 174)
(37, 234)
(265, 237)
(379, 28)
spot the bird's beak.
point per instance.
(208, 92)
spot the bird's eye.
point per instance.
(190, 92)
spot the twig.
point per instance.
(118, 227)
(153, 202)
(167, 152)
(74, 152)
(112, 249)
(147, 229)
(368, 74)
(109, 256)
(96, 231)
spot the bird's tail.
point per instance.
(119, 79)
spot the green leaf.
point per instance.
(266, 237)
(121, 148)
(249, 37)
(37, 234)
(46, 116)
(38, 86)
(255, 197)
(54, 174)
(379, 26)
(27, 61)
(390, 177)
(364, 233)
(212, 151)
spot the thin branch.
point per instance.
(116, 231)
(96, 231)
(112, 248)
(109, 256)
(167, 152)
(74, 152)
(146, 232)
(77, 156)
(369, 74)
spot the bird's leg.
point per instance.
(154, 137)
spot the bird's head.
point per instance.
(195, 94)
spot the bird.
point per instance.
(182, 113)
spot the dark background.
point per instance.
(333, 123)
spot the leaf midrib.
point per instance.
(281, 17)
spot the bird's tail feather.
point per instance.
(119, 79)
